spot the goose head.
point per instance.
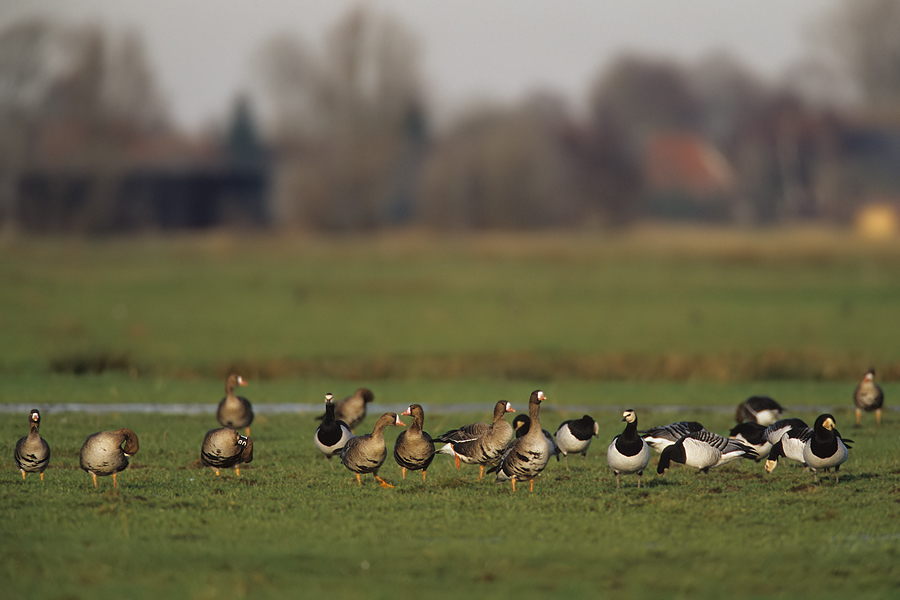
(629, 416)
(247, 445)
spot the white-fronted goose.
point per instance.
(366, 453)
(332, 434)
(758, 409)
(628, 452)
(574, 437)
(663, 436)
(352, 409)
(825, 449)
(702, 450)
(479, 443)
(224, 447)
(414, 449)
(235, 411)
(527, 456)
(103, 453)
(32, 452)
(752, 434)
(521, 424)
(868, 397)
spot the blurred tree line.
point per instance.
(352, 146)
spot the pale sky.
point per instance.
(203, 50)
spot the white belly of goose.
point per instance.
(826, 462)
(621, 463)
(701, 455)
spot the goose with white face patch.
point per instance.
(825, 449)
(659, 438)
(628, 452)
(868, 396)
(575, 436)
(333, 434)
(224, 448)
(414, 449)
(522, 423)
(702, 450)
(235, 411)
(527, 456)
(479, 443)
(366, 453)
(32, 453)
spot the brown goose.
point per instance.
(32, 452)
(414, 449)
(352, 409)
(479, 443)
(868, 397)
(225, 447)
(366, 453)
(235, 411)
(528, 455)
(103, 454)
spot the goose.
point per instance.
(332, 434)
(574, 436)
(663, 436)
(758, 409)
(366, 453)
(788, 437)
(225, 447)
(414, 449)
(32, 453)
(521, 424)
(479, 443)
(527, 456)
(103, 453)
(628, 452)
(752, 434)
(235, 411)
(868, 396)
(702, 450)
(352, 409)
(825, 449)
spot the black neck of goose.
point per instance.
(631, 431)
(329, 413)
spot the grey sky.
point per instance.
(472, 49)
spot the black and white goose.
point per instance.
(574, 437)
(479, 443)
(758, 409)
(332, 434)
(702, 450)
(527, 456)
(868, 396)
(752, 434)
(521, 424)
(787, 436)
(32, 453)
(659, 438)
(628, 452)
(825, 449)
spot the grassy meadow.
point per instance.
(677, 324)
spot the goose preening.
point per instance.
(527, 456)
(479, 443)
(787, 436)
(352, 409)
(758, 409)
(32, 453)
(235, 411)
(702, 450)
(868, 396)
(628, 452)
(752, 434)
(825, 449)
(332, 435)
(659, 438)
(107, 453)
(521, 424)
(574, 437)
(414, 449)
(366, 453)
(224, 447)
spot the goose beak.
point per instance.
(241, 381)
(399, 422)
(407, 412)
(509, 408)
(828, 424)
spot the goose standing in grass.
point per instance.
(758, 409)
(332, 434)
(702, 450)
(521, 424)
(108, 452)
(752, 434)
(868, 396)
(32, 453)
(479, 443)
(414, 449)
(352, 409)
(527, 456)
(224, 447)
(628, 452)
(366, 453)
(788, 437)
(825, 449)
(235, 411)
(659, 438)
(575, 436)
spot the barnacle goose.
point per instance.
(660, 437)
(574, 436)
(628, 452)
(752, 434)
(825, 449)
(702, 450)
(758, 409)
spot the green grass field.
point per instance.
(651, 320)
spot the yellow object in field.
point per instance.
(878, 221)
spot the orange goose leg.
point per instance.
(237, 470)
(403, 470)
(481, 472)
(359, 480)
(513, 483)
(115, 484)
(383, 483)
(23, 475)
(42, 475)
(94, 475)
(531, 486)
(423, 474)
(456, 456)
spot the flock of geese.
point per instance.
(516, 452)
